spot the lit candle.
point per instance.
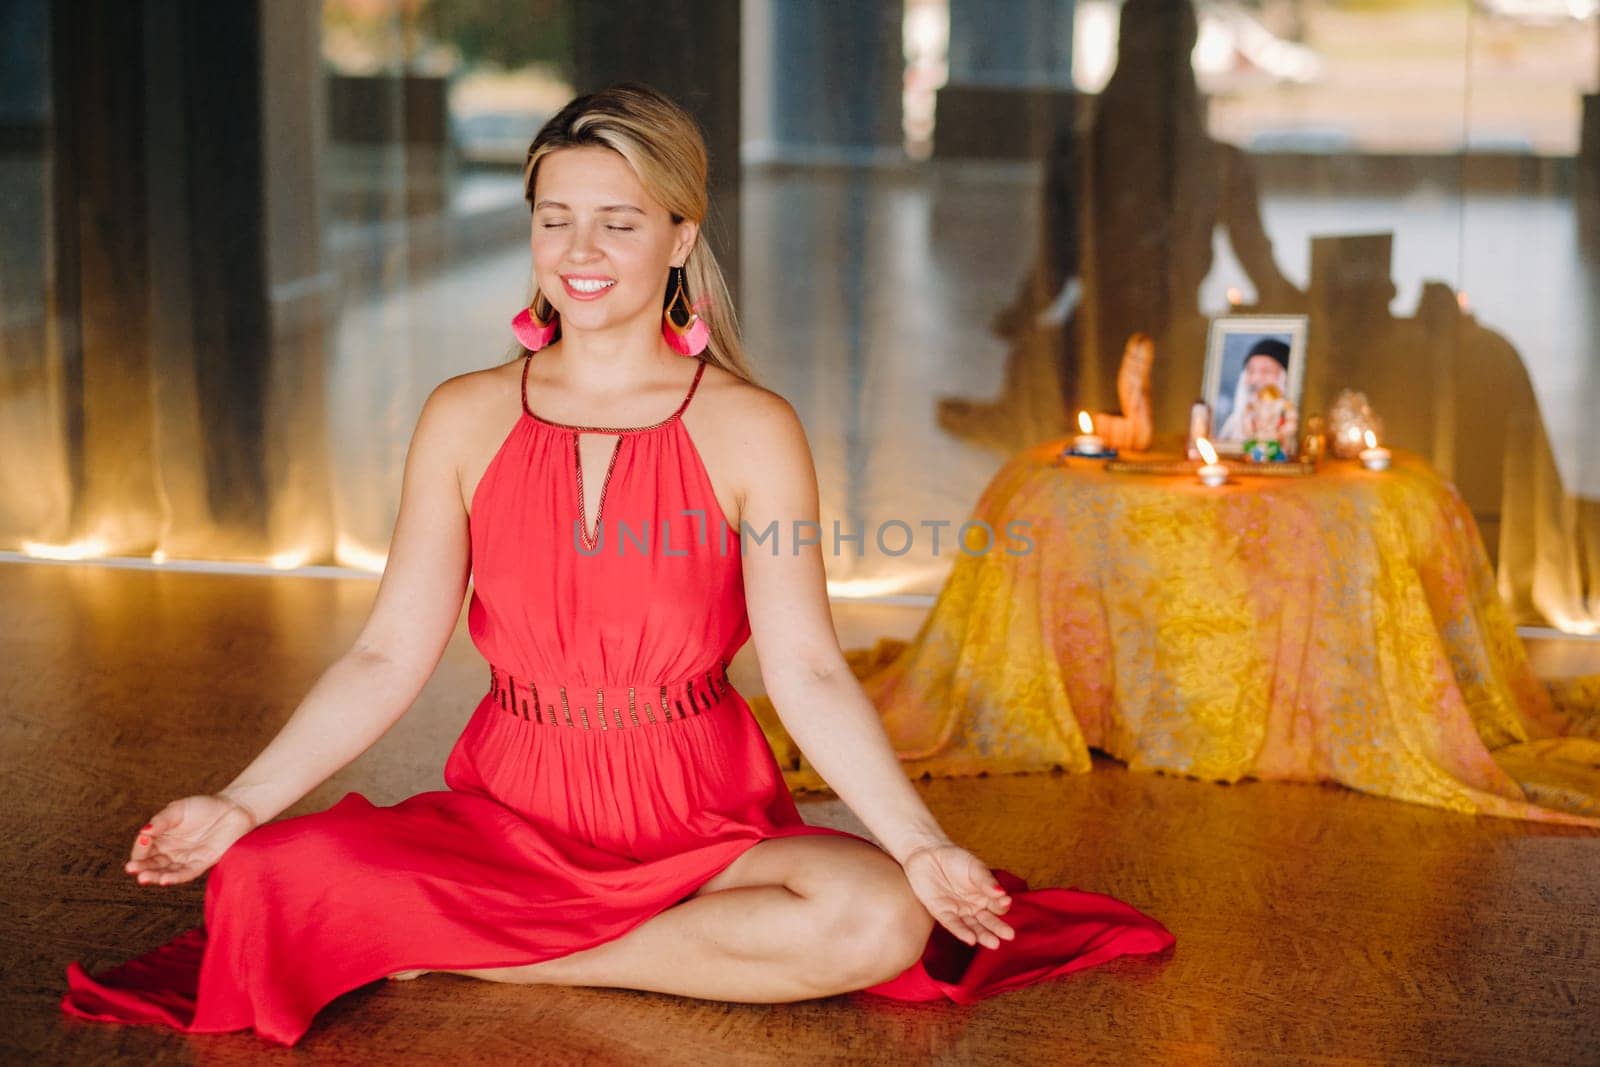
(1088, 440)
(1235, 297)
(1213, 473)
(1372, 457)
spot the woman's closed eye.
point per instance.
(563, 225)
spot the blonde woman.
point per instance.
(613, 816)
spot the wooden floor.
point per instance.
(1313, 923)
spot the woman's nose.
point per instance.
(583, 242)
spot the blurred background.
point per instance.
(241, 242)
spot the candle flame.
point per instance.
(1235, 297)
(1372, 439)
(1207, 453)
(1085, 423)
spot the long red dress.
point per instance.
(608, 773)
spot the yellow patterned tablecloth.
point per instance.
(1338, 627)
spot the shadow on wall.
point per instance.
(1133, 196)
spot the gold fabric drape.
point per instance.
(1342, 627)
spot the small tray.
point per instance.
(1236, 468)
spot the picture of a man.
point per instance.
(1266, 366)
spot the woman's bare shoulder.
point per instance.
(750, 436)
(744, 407)
(467, 413)
(477, 397)
(488, 385)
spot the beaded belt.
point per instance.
(659, 703)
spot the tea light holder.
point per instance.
(1212, 473)
(1348, 420)
(1087, 440)
(1374, 458)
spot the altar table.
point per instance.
(1342, 626)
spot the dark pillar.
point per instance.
(838, 68)
(163, 295)
(1009, 91)
(303, 294)
(32, 493)
(102, 257)
(218, 50)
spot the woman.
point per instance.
(614, 816)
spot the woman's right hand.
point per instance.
(186, 837)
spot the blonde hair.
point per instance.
(665, 148)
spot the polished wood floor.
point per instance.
(1314, 924)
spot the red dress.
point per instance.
(607, 774)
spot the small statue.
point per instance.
(1131, 430)
(1315, 441)
(1270, 426)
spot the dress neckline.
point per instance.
(527, 362)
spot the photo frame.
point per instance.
(1238, 340)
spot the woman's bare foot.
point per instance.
(406, 976)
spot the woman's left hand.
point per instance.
(960, 891)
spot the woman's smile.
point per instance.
(586, 286)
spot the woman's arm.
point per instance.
(812, 687)
(816, 696)
(367, 689)
(814, 692)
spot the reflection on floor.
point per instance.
(1312, 922)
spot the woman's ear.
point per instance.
(683, 244)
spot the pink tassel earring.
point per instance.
(690, 337)
(533, 332)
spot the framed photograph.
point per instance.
(1255, 371)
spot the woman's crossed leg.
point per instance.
(791, 919)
